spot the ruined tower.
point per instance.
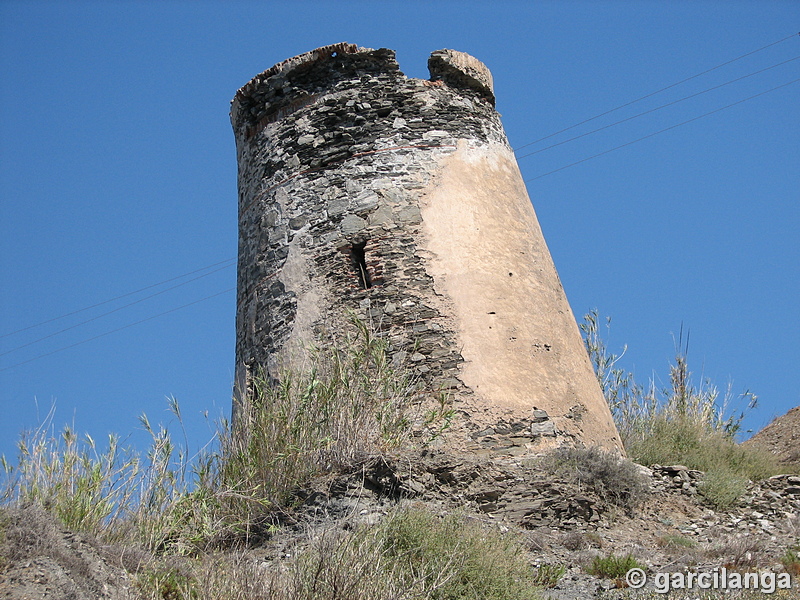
(400, 199)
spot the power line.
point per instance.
(547, 137)
(166, 312)
(80, 310)
(660, 131)
(116, 309)
(647, 112)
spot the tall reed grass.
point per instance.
(348, 404)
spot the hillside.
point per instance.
(781, 438)
(562, 526)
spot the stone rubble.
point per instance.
(566, 524)
(560, 523)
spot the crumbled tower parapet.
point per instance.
(461, 70)
(400, 200)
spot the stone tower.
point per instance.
(401, 200)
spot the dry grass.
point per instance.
(684, 424)
(411, 554)
(180, 526)
(110, 493)
(744, 552)
(349, 404)
(352, 404)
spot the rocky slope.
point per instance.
(781, 438)
(39, 559)
(561, 522)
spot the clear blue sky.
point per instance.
(118, 171)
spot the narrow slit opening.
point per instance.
(359, 262)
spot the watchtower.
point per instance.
(401, 200)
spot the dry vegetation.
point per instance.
(182, 529)
(683, 424)
(186, 529)
(612, 478)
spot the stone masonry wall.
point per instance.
(332, 152)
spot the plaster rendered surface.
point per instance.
(400, 200)
(521, 346)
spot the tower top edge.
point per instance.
(449, 66)
(295, 62)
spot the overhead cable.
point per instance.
(652, 110)
(80, 310)
(657, 91)
(115, 310)
(161, 314)
(583, 160)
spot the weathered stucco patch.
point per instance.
(519, 340)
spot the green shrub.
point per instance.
(675, 541)
(612, 566)
(615, 479)
(168, 583)
(682, 424)
(548, 575)
(791, 560)
(456, 558)
(722, 488)
(684, 441)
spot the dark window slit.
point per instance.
(359, 261)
